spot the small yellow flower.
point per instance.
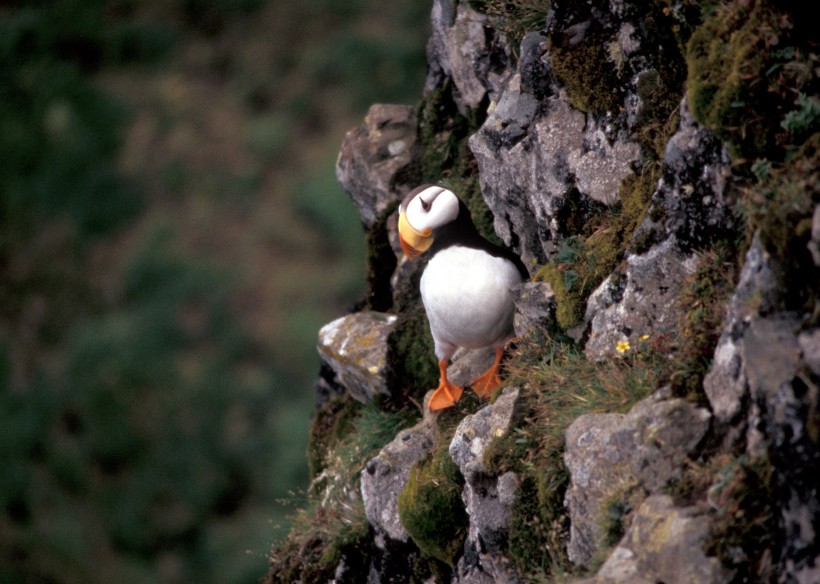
(622, 346)
(643, 337)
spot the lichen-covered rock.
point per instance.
(385, 476)
(663, 544)
(375, 161)
(609, 456)
(466, 48)
(693, 200)
(488, 499)
(785, 409)
(534, 309)
(725, 383)
(643, 300)
(355, 348)
(689, 211)
(537, 160)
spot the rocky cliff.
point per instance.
(656, 166)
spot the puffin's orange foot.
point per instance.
(445, 396)
(486, 383)
(490, 380)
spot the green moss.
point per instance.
(742, 62)
(430, 507)
(538, 523)
(585, 71)
(569, 299)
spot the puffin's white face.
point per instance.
(423, 210)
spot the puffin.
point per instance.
(467, 287)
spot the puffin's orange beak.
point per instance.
(413, 242)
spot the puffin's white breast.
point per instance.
(468, 297)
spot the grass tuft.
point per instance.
(333, 523)
(558, 385)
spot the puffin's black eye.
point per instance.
(424, 204)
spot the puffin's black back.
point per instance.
(462, 231)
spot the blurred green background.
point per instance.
(171, 239)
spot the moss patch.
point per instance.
(744, 60)
(430, 507)
(585, 260)
(586, 72)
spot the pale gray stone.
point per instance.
(663, 544)
(355, 347)
(614, 454)
(375, 157)
(385, 476)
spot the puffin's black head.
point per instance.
(423, 211)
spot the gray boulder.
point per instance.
(375, 162)
(663, 544)
(644, 300)
(488, 499)
(385, 476)
(355, 348)
(613, 456)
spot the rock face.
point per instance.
(556, 133)
(466, 48)
(488, 499)
(663, 544)
(611, 456)
(375, 158)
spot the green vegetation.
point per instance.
(584, 69)
(171, 238)
(747, 59)
(558, 385)
(515, 18)
(334, 524)
(431, 509)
